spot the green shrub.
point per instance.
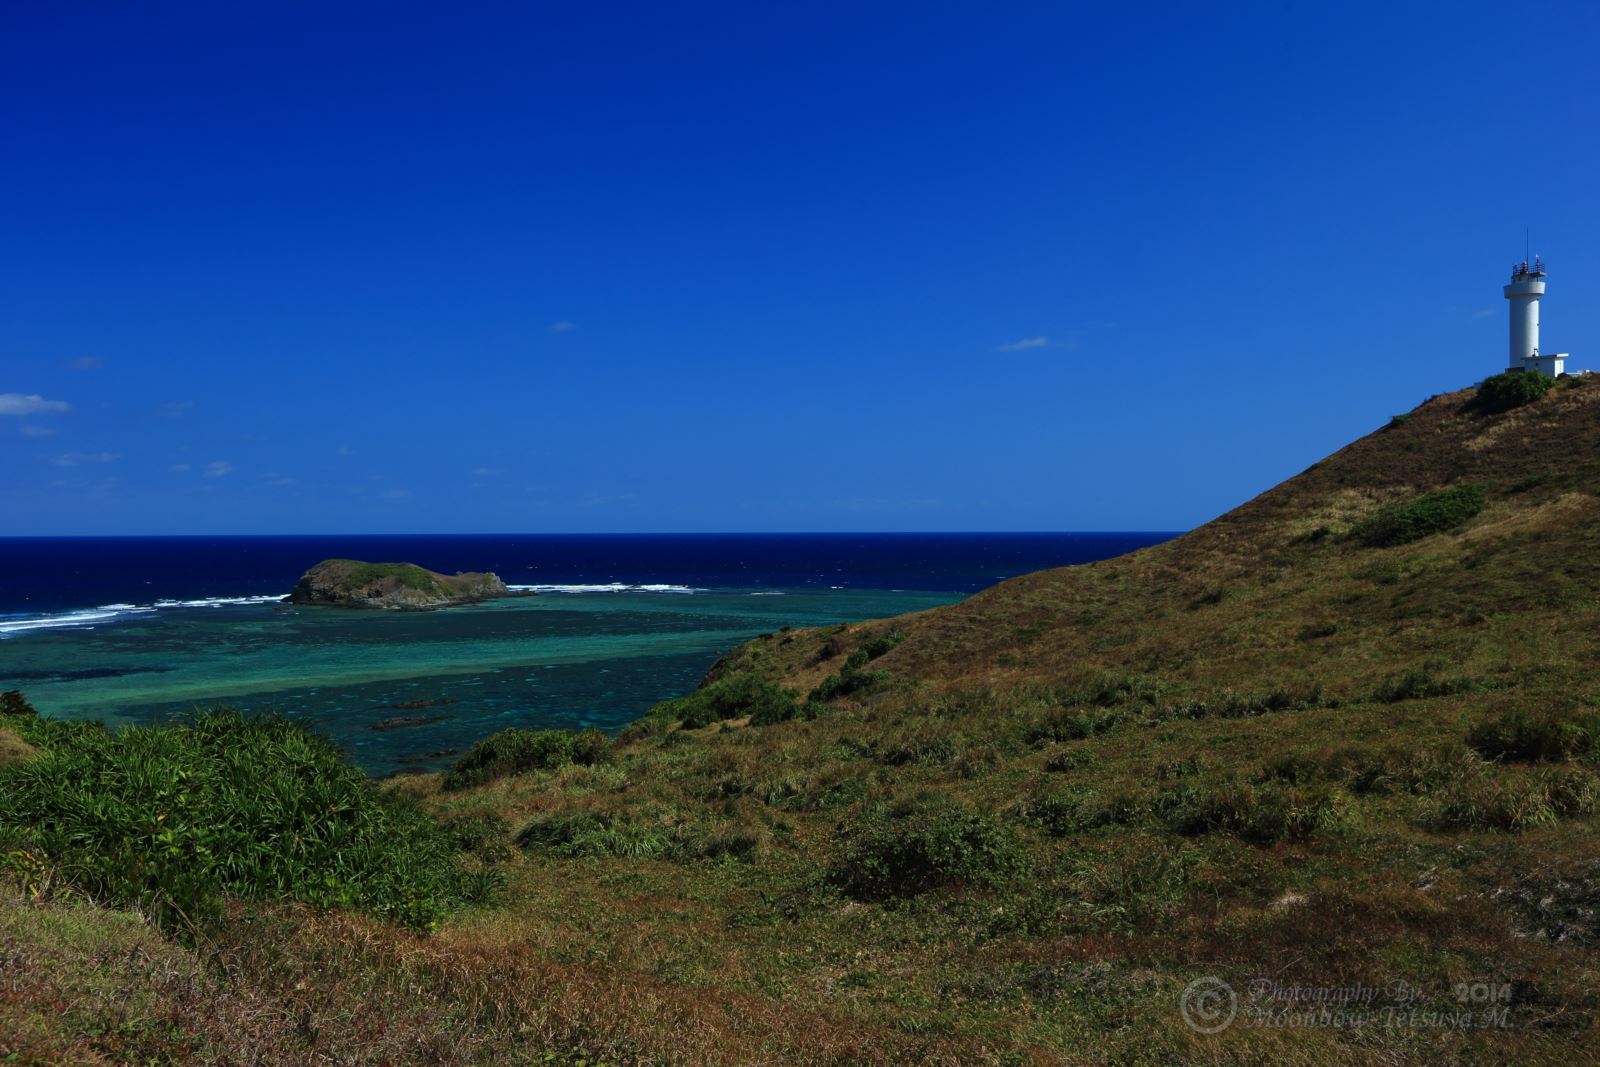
(12, 702)
(407, 574)
(172, 818)
(516, 751)
(1516, 735)
(1263, 814)
(1412, 520)
(572, 834)
(847, 682)
(926, 842)
(1068, 724)
(882, 643)
(732, 696)
(1500, 800)
(483, 834)
(1420, 683)
(1510, 389)
(1073, 811)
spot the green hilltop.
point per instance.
(1344, 737)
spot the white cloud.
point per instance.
(218, 468)
(36, 431)
(344, 451)
(1026, 343)
(180, 468)
(29, 404)
(485, 472)
(87, 363)
(563, 326)
(1483, 313)
(78, 459)
(174, 409)
(1035, 342)
(396, 494)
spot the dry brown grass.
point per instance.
(13, 748)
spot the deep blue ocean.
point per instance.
(141, 629)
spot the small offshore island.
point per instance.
(350, 583)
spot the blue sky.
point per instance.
(589, 267)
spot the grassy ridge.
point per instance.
(1015, 829)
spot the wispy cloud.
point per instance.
(36, 431)
(1035, 342)
(1483, 313)
(396, 494)
(180, 468)
(274, 478)
(485, 472)
(79, 459)
(30, 404)
(174, 409)
(87, 363)
(563, 326)
(218, 468)
(344, 451)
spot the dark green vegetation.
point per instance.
(516, 751)
(172, 818)
(1412, 520)
(407, 574)
(1510, 389)
(1013, 830)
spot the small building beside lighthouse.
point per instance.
(1524, 291)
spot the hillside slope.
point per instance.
(1249, 595)
(1334, 752)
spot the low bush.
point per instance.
(849, 682)
(1500, 800)
(173, 818)
(1068, 724)
(1074, 811)
(882, 643)
(732, 696)
(517, 751)
(1263, 814)
(923, 843)
(1411, 520)
(1517, 735)
(1510, 389)
(572, 834)
(1420, 683)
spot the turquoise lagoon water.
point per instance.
(572, 659)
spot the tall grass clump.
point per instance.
(1518, 735)
(173, 818)
(925, 842)
(1412, 520)
(517, 751)
(732, 696)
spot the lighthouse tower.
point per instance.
(1524, 291)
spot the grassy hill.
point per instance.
(1337, 749)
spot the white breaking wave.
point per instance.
(87, 618)
(610, 587)
(218, 601)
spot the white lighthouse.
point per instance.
(1524, 291)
